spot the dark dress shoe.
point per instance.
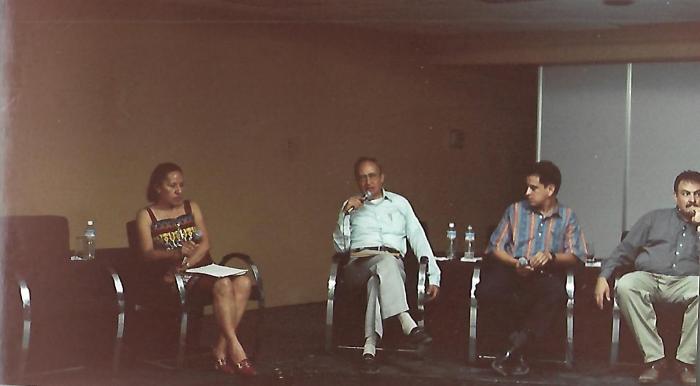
(369, 364)
(512, 360)
(653, 372)
(687, 375)
(502, 364)
(420, 340)
(521, 367)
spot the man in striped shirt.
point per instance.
(523, 285)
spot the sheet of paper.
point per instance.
(217, 270)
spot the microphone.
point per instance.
(523, 262)
(364, 198)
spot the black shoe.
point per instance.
(420, 340)
(653, 372)
(369, 364)
(502, 364)
(521, 367)
(687, 374)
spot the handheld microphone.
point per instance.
(364, 198)
(523, 262)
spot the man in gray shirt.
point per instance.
(663, 248)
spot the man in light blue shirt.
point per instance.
(373, 228)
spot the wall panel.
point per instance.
(583, 132)
(583, 128)
(665, 136)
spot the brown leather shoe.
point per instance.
(687, 374)
(653, 372)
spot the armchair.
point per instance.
(46, 304)
(338, 302)
(669, 325)
(474, 316)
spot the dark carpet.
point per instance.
(292, 354)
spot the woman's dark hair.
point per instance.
(157, 177)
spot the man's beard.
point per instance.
(690, 213)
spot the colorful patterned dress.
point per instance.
(171, 233)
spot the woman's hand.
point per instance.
(188, 248)
(183, 267)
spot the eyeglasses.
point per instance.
(370, 176)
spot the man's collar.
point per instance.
(384, 195)
(555, 209)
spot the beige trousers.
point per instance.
(384, 276)
(636, 291)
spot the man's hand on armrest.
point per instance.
(432, 292)
(602, 292)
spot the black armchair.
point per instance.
(474, 316)
(338, 302)
(51, 302)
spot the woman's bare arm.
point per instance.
(143, 223)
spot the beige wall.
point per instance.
(266, 122)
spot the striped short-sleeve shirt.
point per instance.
(524, 231)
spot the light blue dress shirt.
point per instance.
(387, 221)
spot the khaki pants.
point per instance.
(636, 291)
(384, 276)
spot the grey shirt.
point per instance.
(662, 241)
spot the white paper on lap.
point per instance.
(217, 270)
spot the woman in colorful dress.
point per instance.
(172, 229)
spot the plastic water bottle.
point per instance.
(451, 238)
(90, 235)
(469, 237)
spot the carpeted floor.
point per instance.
(292, 354)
